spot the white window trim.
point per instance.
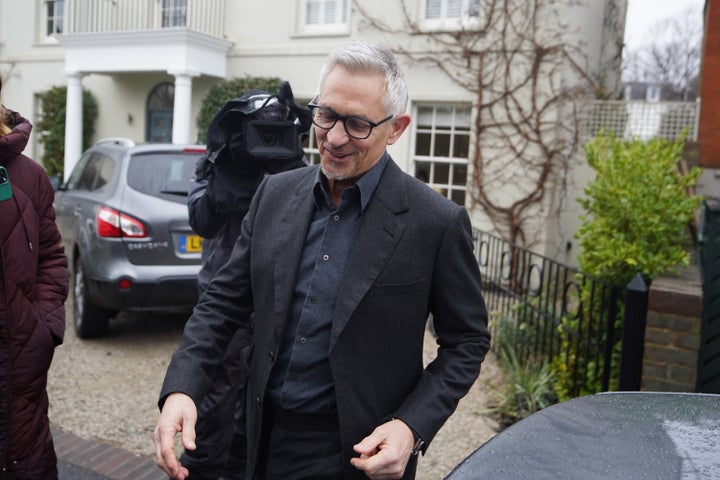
(43, 36)
(304, 29)
(463, 22)
(446, 189)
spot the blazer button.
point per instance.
(258, 401)
(272, 354)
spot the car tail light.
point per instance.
(113, 224)
(194, 150)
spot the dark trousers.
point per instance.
(300, 447)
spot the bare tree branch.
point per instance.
(526, 81)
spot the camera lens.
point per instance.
(270, 139)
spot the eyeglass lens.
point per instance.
(356, 127)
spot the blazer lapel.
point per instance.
(290, 238)
(377, 239)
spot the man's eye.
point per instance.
(326, 116)
(358, 124)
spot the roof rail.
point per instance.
(124, 142)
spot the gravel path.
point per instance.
(107, 389)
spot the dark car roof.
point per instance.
(629, 435)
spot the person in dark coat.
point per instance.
(33, 289)
(219, 199)
(340, 264)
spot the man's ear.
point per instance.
(399, 124)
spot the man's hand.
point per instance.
(384, 453)
(179, 414)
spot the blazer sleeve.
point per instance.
(461, 323)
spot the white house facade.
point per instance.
(150, 63)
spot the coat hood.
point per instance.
(14, 143)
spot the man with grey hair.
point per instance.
(341, 265)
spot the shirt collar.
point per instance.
(366, 184)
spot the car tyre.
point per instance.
(90, 321)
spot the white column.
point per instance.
(73, 122)
(182, 107)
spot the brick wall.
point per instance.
(709, 126)
(672, 334)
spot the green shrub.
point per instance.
(638, 209)
(51, 126)
(227, 90)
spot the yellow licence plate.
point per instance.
(190, 244)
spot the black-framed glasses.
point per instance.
(358, 128)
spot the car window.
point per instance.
(105, 171)
(162, 174)
(78, 173)
(94, 171)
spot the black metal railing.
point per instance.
(592, 332)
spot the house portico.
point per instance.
(109, 44)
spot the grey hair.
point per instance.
(364, 57)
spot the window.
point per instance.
(93, 171)
(442, 148)
(54, 17)
(324, 16)
(450, 13)
(174, 13)
(160, 113)
(164, 175)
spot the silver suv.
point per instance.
(124, 222)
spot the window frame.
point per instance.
(332, 28)
(173, 13)
(46, 19)
(449, 188)
(464, 21)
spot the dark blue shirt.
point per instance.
(301, 380)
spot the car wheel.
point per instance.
(90, 321)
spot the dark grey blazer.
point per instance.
(413, 256)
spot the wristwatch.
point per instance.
(419, 445)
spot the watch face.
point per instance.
(419, 444)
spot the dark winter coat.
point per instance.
(33, 288)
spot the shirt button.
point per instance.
(303, 340)
(336, 217)
(313, 299)
(326, 257)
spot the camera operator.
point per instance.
(252, 136)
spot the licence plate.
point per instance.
(190, 243)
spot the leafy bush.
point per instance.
(51, 126)
(638, 209)
(227, 90)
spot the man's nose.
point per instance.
(337, 133)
